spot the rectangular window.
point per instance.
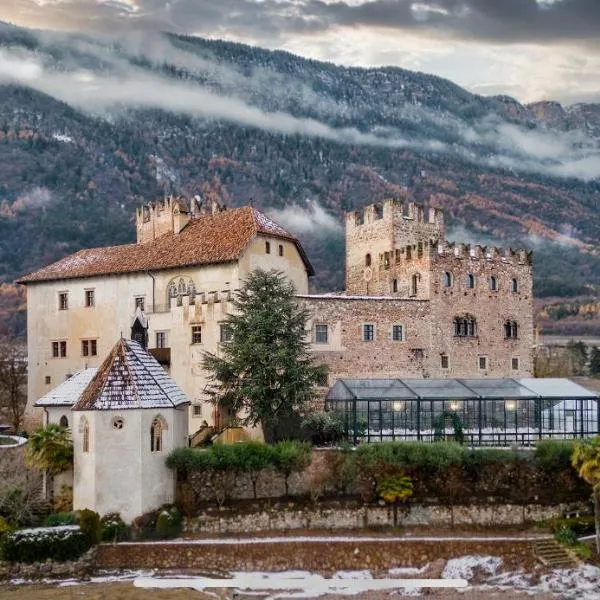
(368, 333)
(54, 349)
(63, 349)
(89, 348)
(483, 363)
(226, 335)
(140, 303)
(445, 361)
(267, 247)
(196, 334)
(321, 334)
(515, 364)
(397, 333)
(161, 339)
(197, 410)
(90, 298)
(63, 301)
(59, 349)
(280, 249)
(48, 380)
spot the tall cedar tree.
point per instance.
(265, 373)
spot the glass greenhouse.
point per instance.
(481, 412)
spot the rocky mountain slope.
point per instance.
(89, 128)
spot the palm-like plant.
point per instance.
(586, 459)
(50, 448)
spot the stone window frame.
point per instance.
(482, 363)
(157, 428)
(48, 379)
(267, 247)
(84, 429)
(161, 338)
(316, 331)
(493, 283)
(89, 347)
(368, 259)
(280, 250)
(444, 362)
(415, 278)
(471, 281)
(511, 330)
(515, 363)
(371, 336)
(196, 334)
(63, 300)
(402, 333)
(225, 333)
(63, 422)
(447, 279)
(59, 348)
(465, 326)
(89, 297)
(514, 285)
(395, 285)
(196, 411)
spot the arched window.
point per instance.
(156, 434)
(84, 429)
(447, 279)
(493, 284)
(470, 281)
(514, 286)
(395, 285)
(511, 330)
(64, 422)
(368, 260)
(465, 326)
(414, 284)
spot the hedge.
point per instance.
(62, 543)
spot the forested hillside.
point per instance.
(91, 128)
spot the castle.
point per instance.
(414, 305)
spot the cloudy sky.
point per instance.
(530, 49)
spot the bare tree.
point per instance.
(13, 381)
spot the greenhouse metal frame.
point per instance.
(478, 412)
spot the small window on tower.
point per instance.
(267, 247)
(48, 380)
(140, 303)
(63, 301)
(368, 332)
(483, 363)
(515, 364)
(397, 333)
(368, 260)
(196, 334)
(226, 335)
(162, 339)
(197, 410)
(445, 361)
(395, 286)
(280, 249)
(90, 298)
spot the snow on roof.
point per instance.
(130, 378)
(207, 239)
(69, 391)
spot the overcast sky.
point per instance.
(529, 49)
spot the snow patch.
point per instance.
(463, 567)
(61, 137)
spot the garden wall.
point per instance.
(519, 481)
(325, 555)
(346, 516)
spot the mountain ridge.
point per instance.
(98, 127)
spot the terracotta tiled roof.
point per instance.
(208, 239)
(130, 378)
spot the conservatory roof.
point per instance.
(433, 389)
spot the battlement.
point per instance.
(392, 209)
(170, 215)
(487, 253)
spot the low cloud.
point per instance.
(311, 218)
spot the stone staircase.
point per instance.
(550, 553)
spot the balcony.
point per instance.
(162, 355)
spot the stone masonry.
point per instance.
(437, 309)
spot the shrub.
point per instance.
(252, 458)
(554, 455)
(291, 457)
(89, 522)
(428, 456)
(168, 523)
(113, 527)
(144, 526)
(565, 535)
(395, 488)
(579, 525)
(60, 518)
(62, 543)
(323, 428)
(4, 528)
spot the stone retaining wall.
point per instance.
(288, 517)
(324, 555)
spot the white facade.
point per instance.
(118, 471)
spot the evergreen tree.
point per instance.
(595, 361)
(265, 373)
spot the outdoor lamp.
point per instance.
(510, 405)
(399, 405)
(455, 405)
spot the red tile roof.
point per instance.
(208, 239)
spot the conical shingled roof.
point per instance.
(130, 378)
